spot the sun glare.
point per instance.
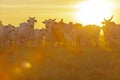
(93, 11)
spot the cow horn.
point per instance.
(105, 20)
(111, 18)
(0, 22)
(61, 19)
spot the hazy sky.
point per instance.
(53, 2)
(45, 2)
(16, 11)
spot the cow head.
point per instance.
(1, 22)
(107, 22)
(10, 28)
(31, 21)
(46, 22)
(61, 21)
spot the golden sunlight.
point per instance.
(93, 11)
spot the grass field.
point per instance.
(60, 63)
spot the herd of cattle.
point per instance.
(58, 33)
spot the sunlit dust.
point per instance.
(93, 11)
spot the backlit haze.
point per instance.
(81, 11)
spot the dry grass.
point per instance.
(60, 63)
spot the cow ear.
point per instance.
(43, 22)
(6, 26)
(61, 20)
(13, 26)
(103, 22)
(35, 20)
(28, 20)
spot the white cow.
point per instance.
(58, 32)
(89, 35)
(26, 30)
(65, 33)
(49, 35)
(37, 37)
(111, 32)
(76, 33)
(68, 31)
(6, 35)
(15, 36)
(1, 34)
(53, 32)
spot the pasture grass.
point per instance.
(60, 63)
